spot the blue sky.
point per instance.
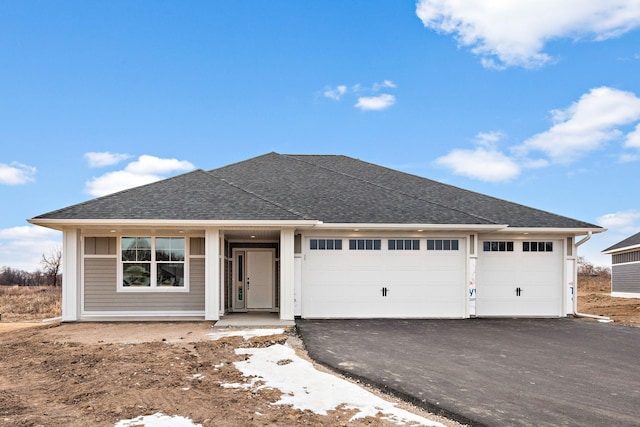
(511, 100)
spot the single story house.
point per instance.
(316, 236)
(625, 267)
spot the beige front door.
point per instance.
(259, 279)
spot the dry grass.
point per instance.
(30, 303)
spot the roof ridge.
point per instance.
(389, 188)
(254, 194)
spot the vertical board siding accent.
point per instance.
(625, 278)
(100, 285)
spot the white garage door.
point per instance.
(516, 278)
(372, 278)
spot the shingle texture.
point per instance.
(332, 189)
(629, 241)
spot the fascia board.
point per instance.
(62, 224)
(625, 249)
(433, 227)
(552, 230)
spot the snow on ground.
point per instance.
(246, 333)
(304, 387)
(157, 420)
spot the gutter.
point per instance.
(575, 297)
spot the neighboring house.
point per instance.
(316, 236)
(625, 267)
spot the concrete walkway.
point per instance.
(252, 319)
(507, 372)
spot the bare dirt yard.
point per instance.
(594, 298)
(96, 374)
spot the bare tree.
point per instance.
(52, 264)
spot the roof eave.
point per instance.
(623, 249)
(62, 224)
(413, 227)
(553, 230)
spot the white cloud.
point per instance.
(375, 103)
(619, 225)
(335, 93)
(483, 164)
(106, 158)
(145, 170)
(633, 138)
(22, 247)
(624, 222)
(16, 173)
(586, 125)
(154, 165)
(514, 33)
(489, 139)
(385, 84)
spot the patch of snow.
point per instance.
(246, 333)
(157, 420)
(305, 388)
(198, 376)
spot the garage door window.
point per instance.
(497, 246)
(442, 244)
(537, 246)
(325, 244)
(365, 244)
(403, 244)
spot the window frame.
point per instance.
(154, 264)
(408, 244)
(322, 244)
(498, 245)
(535, 246)
(365, 244)
(443, 245)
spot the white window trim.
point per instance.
(154, 270)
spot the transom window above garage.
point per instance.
(403, 245)
(325, 244)
(499, 246)
(443, 244)
(537, 246)
(365, 244)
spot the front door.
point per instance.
(259, 279)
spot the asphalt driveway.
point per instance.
(496, 372)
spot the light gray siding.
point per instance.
(625, 278)
(100, 290)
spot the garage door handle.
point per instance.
(385, 292)
(518, 292)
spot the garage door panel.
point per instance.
(418, 283)
(520, 283)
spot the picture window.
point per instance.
(153, 263)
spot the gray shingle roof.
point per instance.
(196, 195)
(629, 241)
(332, 189)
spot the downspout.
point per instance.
(575, 297)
